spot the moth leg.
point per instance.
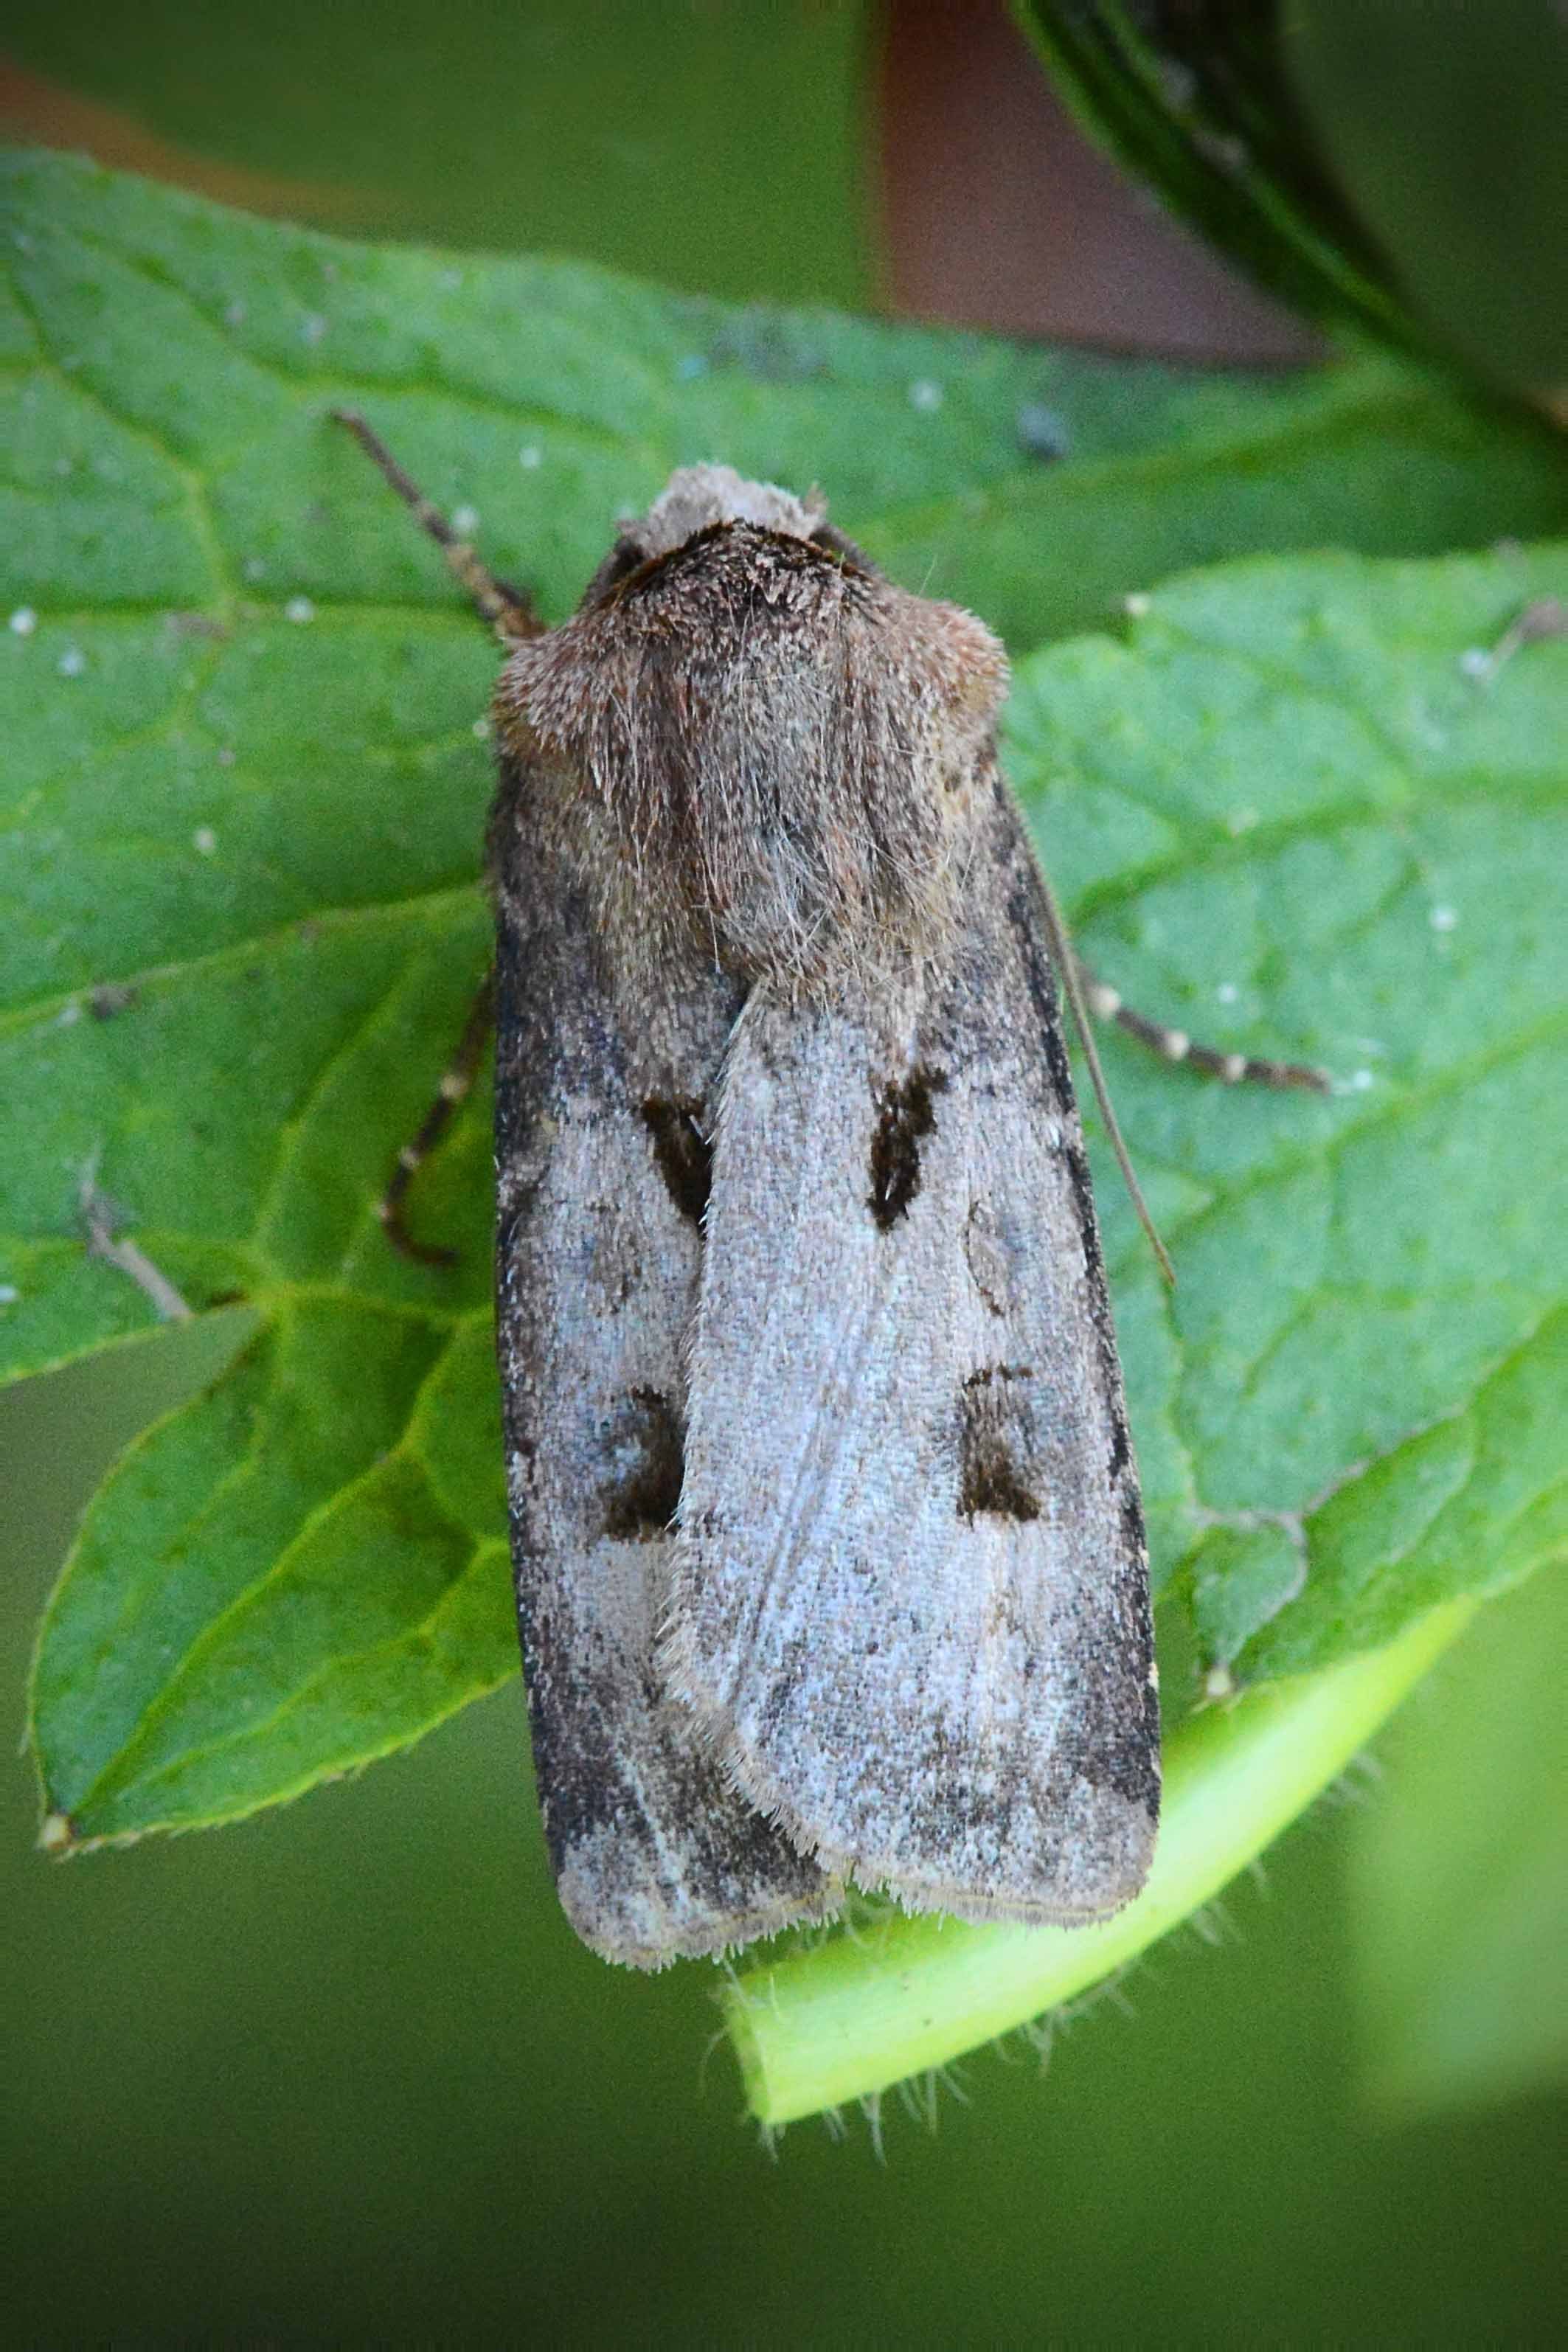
(1175, 1045)
(98, 1216)
(457, 1080)
(509, 611)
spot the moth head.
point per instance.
(701, 506)
(698, 497)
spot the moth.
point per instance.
(829, 1555)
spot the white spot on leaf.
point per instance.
(1041, 431)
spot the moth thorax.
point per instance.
(796, 796)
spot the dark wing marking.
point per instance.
(912, 1599)
(601, 1111)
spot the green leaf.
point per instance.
(242, 919)
(1363, 456)
(1460, 1873)
(301, 1569)
(1293, 807)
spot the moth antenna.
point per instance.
(1067, 964)
(508, 609)
(455, 1081)
(1175, 1045)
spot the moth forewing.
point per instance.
(912, 1596)
(610, 1037)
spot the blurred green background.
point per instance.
(343, 2073)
